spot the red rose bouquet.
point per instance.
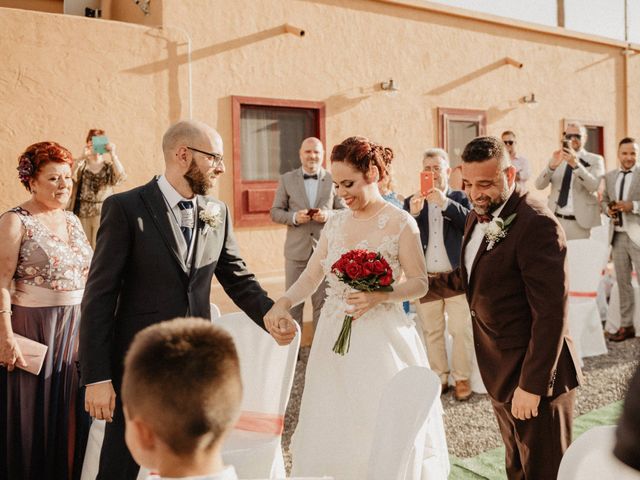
(364, 271)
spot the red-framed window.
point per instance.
(457, 127)
(267, 134)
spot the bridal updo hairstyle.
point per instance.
(363, 154)
(36, 156)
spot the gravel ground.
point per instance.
(471, 427)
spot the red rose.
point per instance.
(372, 256)
(367, 268)
(354, 270)
(377, 267)
(386, 279)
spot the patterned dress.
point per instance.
(42, 420)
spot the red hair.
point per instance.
(39, 154)
(362, 154)
(94, 132)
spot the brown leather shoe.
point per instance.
(622, 334)
(462, 391)
(445, 388)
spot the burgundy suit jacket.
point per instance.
(517, 294)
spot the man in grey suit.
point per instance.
(574, 175)
(621, 201)
(303, 203)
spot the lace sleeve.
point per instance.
(312, 275)
(412, 262)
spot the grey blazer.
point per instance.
(631, 221)
(291, 197)
(585, 181)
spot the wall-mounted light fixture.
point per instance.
(144, 5)
(389, 86)
(297, 31)
(530, 101)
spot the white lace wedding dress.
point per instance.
(341, 394)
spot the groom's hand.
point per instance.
(524, 404)
(284, 331)
(100, 401)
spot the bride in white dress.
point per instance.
(342, 393)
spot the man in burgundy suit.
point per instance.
(515, 280)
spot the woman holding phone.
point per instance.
(94, 175)
(44, 262)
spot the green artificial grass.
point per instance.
(489, 465)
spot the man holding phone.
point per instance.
(574, 175)
(441, 214)
(621, 202)
(303, 202)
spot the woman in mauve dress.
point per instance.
(44, 261)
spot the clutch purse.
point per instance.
(33, 353)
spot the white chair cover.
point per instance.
(591, 456)
(92, 453)
(613, 313)
(586, 259)
(267, 370)
(215, 311)
(404, 409)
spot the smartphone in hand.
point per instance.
(566, 145)
(99, 143)
(312, 211)
(426, 182)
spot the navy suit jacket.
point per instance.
(455, 216)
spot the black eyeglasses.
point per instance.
(509, 142)
(214, 158)
(571, 136)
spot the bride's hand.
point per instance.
(362, 302)
(279, 322)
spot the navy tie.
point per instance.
(563, 198)
(187, 220)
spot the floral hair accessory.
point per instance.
(26, 169)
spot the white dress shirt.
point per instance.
(311, 187)
(172, 197)
(228, 473)
(522, 168)
(477, 236)
(568, 208)
(436, 253)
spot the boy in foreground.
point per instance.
(181, 394)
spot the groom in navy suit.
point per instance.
(156, 253)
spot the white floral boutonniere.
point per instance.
(497, 229)
(211, 215)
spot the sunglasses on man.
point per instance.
(572, 136)
(509, 142)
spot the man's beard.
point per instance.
(198, 181)
(494, 204)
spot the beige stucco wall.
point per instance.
(63, 75)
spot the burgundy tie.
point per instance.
(484, 218)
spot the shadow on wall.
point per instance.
(174, 59)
